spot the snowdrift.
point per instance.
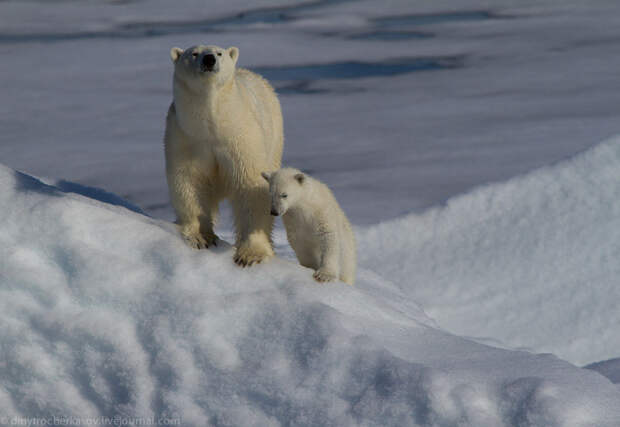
(105, 311)
(532, 262)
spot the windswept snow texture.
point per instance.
(105, 311)
(533, 262)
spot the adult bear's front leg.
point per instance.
(195, 206)
(194, 192)
(253, 226)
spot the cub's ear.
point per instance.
(234, 53)
(300, 178)
(266, 176)
(175, 53)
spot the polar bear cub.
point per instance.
(316, 227)
(224, 127)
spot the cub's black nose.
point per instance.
(274, 213)
(208, 61)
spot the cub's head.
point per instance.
(285, 187)
(198, 65)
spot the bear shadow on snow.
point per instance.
(27, 183)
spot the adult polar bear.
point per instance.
(224, 127)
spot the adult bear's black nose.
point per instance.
(208, 61)
(274, 212)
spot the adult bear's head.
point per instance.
(201, 64)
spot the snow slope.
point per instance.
(106, 312)
(531, 262)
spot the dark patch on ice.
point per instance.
(398, 27)
(122, 2)
(264, 15)
(257, 16)
(359, 69)
(433, 18)
(386, 35)
(388, 27)
(301, 79)
(299, 87)
(586, 43)
(309, 87)
(270, 15)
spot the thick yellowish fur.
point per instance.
(316, 227)
(222, 130)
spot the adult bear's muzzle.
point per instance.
(208, 61)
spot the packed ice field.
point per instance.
(471, 144)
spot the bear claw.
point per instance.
(322, 276)
(247, 261)
(199, 241)
(246, 258)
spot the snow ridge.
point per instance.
(106, 312)
(531, 262)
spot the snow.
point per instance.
(107, 312)
(462, 139)
(531, 262)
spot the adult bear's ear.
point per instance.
(234, 53)
(175, 53)
(300, 178)
(266, 176)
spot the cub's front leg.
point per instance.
(329, 267)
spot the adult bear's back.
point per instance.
(266, 108)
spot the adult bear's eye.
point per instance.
(284, 195)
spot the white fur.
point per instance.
(223, 128)
(317, 228)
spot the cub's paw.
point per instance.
(324, 276)
(247, 256)
(199, 240)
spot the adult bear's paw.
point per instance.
(198, 240)
(247, 255)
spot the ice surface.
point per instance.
(532, 262)
(105, 311)
(529, 83)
